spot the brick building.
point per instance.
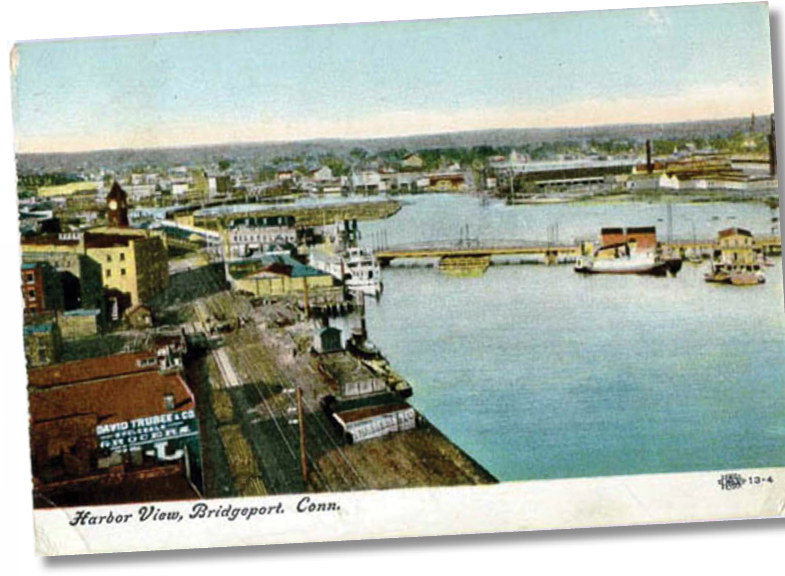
(41, 288)
(120, 428)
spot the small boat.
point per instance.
(361, 347)
(735, 275)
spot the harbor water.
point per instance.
(539, 372)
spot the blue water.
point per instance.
(539, 372)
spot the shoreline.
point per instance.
(245, 389)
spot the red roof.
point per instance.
(91, 369)
(48, 240)
(733, 231)
(370, 412)
(111, 400)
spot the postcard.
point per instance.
(401, 279)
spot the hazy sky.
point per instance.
(656, 65)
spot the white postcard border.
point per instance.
(504, 507)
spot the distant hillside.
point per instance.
(265, 152)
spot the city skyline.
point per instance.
(393, 79)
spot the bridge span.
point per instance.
(476, 250)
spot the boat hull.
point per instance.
(654, 269)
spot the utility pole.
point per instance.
(306, 304)
(300, 419)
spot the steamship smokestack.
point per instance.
(772, 149)
(649, 164)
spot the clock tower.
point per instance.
(117, 207)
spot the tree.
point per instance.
(359, 153)
(337, 166)
(223, 164)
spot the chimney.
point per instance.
(649, 164)
(772, 149)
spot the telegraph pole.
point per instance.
(306, 303)
(301, 420)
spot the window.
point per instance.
(122, 256)
(30, 278)
(169, 401)
(122, 271)
(31, 294)
(108, 273)
(108, 257)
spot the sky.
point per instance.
(391, 79)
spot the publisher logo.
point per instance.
(731, 481)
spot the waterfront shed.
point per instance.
(327, 340)
(375, 421)
(353, 378)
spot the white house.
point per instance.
(321, 174)
(653, 182)
(249, 236)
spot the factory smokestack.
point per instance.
(649, 164)
(772, 149)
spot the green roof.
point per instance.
(276, 264)
(38, 328)
(89, 312)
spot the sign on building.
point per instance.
(134, 434)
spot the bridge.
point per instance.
(470, 252)
(474, 254)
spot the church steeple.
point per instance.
(117, 207)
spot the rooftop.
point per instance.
(345, 368)
(38, 328)
(143, 485)
(734, 232)
(49, 240)
(107, 240)
(82, 312)
(370, 412)
(91, 369)
(110, 400)
(279, 264)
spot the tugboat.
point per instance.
(622, 258)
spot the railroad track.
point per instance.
(265, 394)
